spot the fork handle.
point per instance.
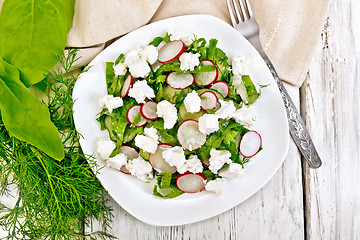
(297, 126)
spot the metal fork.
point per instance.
(246, 24)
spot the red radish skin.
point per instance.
(210, 102)
(206, 163)
(189, 130)
(250, 144)
(222, 87)
(178, 80)
(206, 78)
(148, 110)
(132, 113)
(127, 85)
(171, 51)
(130, 153)
(158, 162)
(191, 182)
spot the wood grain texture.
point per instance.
(330, 102)
(263, 216)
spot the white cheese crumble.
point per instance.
(218, 158)
(147, 144)
(168, 112)
(105, 148)
(137, 60)
(118, 161)
(140, 168)
(226, 110)
(217, 185)
(151, 132)
(234, 170)
(193, 164)
(208, 123)
(150, 54)
(110, 102)
(184, 37)
(246, 115)
(174, 156)
(188, 61)
(120, 69)
(240, 65)
(141, 90)
(192, 102)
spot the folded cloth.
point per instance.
(289, 30)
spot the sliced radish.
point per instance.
(148, 110)
(210, 101)
(206, 163)
(190, 182)
(158, 162)
(130, 153)
(180, 80)
(171, 51)
(127, 85)
(250, 144)
(206, 78)
(190, 136)
(222, 87)
(132, 113)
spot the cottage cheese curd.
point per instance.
(147, 144)
(240, 65)
(218, 158)
(177, 35)
(226, 110)
(168, 112)
(234, 170)
(105, 148)
(119, 69)
(193, 164)
(192, 102)
(140, 168)
(151, 133)
(118, 161)
(137, 61)
(246, 115)
(188, 61)
(208, 123)
(110, 102)
(141, 90)
(174, 156)
(217, 185)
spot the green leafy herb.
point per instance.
(156, 41)
(56, 198)
(25, 116)
(29, 52)
(252, 93)
(25, 40)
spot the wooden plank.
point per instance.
(331, 105)
(275, 212)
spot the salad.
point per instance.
(179, 110)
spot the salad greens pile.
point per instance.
(226, 138)
(56, 199)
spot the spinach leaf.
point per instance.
(68, 6)
(33, 36)
(25, 116)
(252, 93)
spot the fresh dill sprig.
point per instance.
(56, 198)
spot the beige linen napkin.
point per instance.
(289, 30)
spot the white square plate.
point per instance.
(136, 196)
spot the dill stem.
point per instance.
(50, 180)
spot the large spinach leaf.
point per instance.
(25, 116)
(33, 36)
